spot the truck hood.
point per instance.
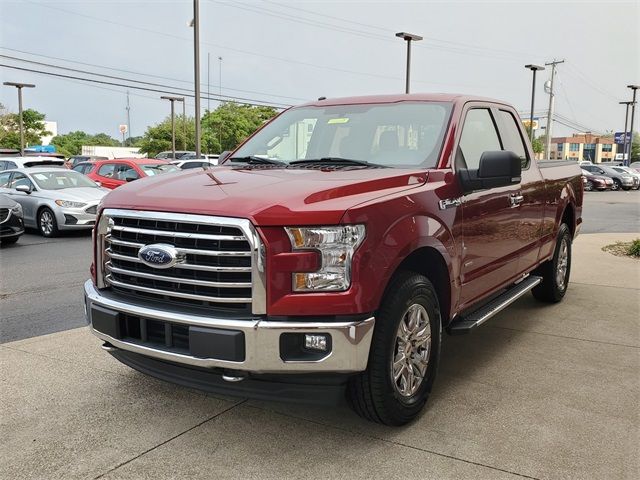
(266, 196)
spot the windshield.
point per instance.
(60, 179)
(404, 134)
(151, 169)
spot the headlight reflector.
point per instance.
(69, 204)
(336, 246)
(17, 210)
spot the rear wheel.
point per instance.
(404, 354)
(47, 223)
(588, 186)
(555, 272)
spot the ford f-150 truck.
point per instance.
(330, 251)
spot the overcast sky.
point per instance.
(288, 52)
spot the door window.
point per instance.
(107, 170)
(511, 137)
(20, 179)
(479, 135)
(4, 179)
(125, 172)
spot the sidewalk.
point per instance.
(538, 392)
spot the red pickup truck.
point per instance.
(331, 250)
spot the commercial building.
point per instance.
(583, 146)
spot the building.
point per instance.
(583, 146)
(52, 128)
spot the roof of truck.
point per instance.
(404, 97)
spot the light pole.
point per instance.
(173, 122)
(550, 111)
(626, 123)
(408, 37)
(534, 69)
(20, 86)
(196, 70)
(633, 114)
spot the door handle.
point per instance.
(516, 199)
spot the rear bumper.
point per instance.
(262, 347)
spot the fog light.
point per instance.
(315, 342)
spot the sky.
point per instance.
(285, 53)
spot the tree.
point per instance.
(34, 128)
(230, 123)
(222, 129)
(537, 144)
(635, 148)
(71, 143)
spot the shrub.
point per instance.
(634, 248)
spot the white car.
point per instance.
(194, 163)
(8, 163)
(53, 199)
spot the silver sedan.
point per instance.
(53, 199)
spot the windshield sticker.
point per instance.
(337, 120)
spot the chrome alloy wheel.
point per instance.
(46, 222)
(562, 264)
(411, 351)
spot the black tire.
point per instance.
(617, 185)
(9, 241)
(373, 394)
(47, 223)
(551, 290)
(589, 186)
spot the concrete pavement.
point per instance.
(538, 392)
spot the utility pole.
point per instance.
(633, 114)
(220, 95)
(20, 86)
(184, 125)
(534, 69)
(128, 118)
(173, 123)
(208, 81)
(626, 123)
(408, 37)
(550, 112)
(196, 70)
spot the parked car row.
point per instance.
(609, 177)
(113, 173)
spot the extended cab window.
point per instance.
(479, 135)
(511, 137)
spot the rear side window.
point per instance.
(479, 135)
(511, 137)
(4, 179)
(106, 170)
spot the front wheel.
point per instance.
(616, 185)
(47, 223)
(588, 186)
(404, 353)
(555, 272)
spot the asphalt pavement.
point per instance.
(41, 279)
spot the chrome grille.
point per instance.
(221, 265)
(4, 214)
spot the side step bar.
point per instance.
(474, 319)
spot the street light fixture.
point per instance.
(633, 114)
(20, 86)
(534, 69)
(173, 122)
(408, 37)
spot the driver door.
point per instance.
(29, 201)
(489, 220)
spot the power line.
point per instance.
(103, 82)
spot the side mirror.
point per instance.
(496, 169)
(24, 189)
(130, 178)
(98, 183)
(223, 156)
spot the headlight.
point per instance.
(17, 210)
(68, 204)
(336, 246)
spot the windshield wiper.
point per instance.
(255, 159)
(334, 160)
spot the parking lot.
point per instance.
(538, 392)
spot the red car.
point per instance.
(113, 173)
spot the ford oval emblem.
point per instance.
(159, 255)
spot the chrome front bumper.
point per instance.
(349, 353)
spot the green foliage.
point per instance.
(34, 128)
(634, 248)
(222, 129)
(635, 150)
(229, 124)
(71, 143)
(537, 144)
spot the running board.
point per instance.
(474, 319)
